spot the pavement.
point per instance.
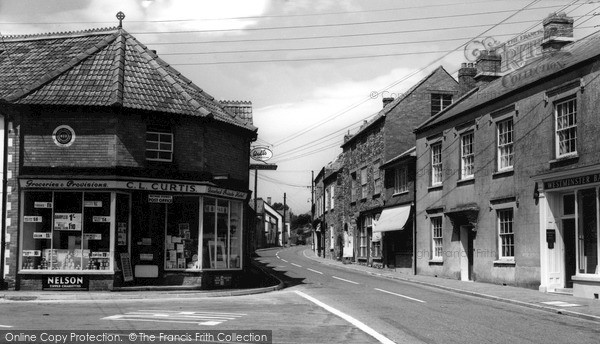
(553, 302)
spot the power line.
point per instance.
(338, 24)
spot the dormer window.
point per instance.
(159, 144)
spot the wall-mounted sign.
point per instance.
(261, 153)
(160, 199)
(92, 236)
(63, 136)
(573, 181)
(92, 204)
(65, 283)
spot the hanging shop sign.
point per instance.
(261, 153)
(65, 283)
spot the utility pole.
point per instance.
(312, 208)
(284, 238)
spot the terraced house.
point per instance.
(377, 142)
(510, 189)
(120, 170)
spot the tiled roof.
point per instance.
(104, 67)
(409, 153)
(543, 67)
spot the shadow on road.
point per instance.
(282, 276)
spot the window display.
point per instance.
(181, 240)
(66, 231)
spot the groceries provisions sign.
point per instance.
(65, 283)
(155, 186)
(261, 153)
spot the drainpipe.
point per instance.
(4, 198)
(414, 220)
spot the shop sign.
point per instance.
(101, 219)
(32, 253)
(32, 219)
(100, 255)
(126, 267)
(92, 236)
(261, 153)
(573, 181)
(42, 205)
(223, 281)
(65, 283)
(160, 199)
(42, 235)
(226, 193)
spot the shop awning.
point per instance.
(392, 219)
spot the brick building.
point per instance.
(509, 174)
(121, 171)
(327, 211)
(385, 137)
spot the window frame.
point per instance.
(364, 184)
(377, 177)
(400, 180)
(557, 139)
(469, 157)
(502, 245)
(437, 241)
(506, 145)
(160, 131)
(436, 168)
(440, 102)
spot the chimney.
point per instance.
(466, 77)
(488, 67)
(387, 100)
(558, 32)
(269, 200)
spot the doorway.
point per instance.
(466, 254)
(568, 227)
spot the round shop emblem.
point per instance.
(261, 153)
(63, 136)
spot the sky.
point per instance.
(313, 70)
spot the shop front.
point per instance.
(569, 232)
(394, 230)
(105, 234)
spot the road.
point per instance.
(321, 304)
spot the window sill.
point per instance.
(586, 278)
(400, 193)
(504, 173)
(504, 262)
(435, 188)
(436, 262)
(466, 181)
(564, 160)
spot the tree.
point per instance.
(301, 220)
(279, 206)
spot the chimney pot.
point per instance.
(488, 67)
(466, 77)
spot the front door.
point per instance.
(466, 254)
(569, 249)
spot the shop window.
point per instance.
(181, 240)
(588, 231)
(505, 144)
(566, 128)
(439, 102)
(436, 164)
(221, 234)
(159, 144)
(467, 156)
(437, 243)
(506, 235)
(66, 231)
(363, 236)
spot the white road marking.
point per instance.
(319, 272)
(345, 280)
(362, 326)
(284, 260)
(404, 296)
(5, 326)
(200, 318)
(296, 265)
(560, 304)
